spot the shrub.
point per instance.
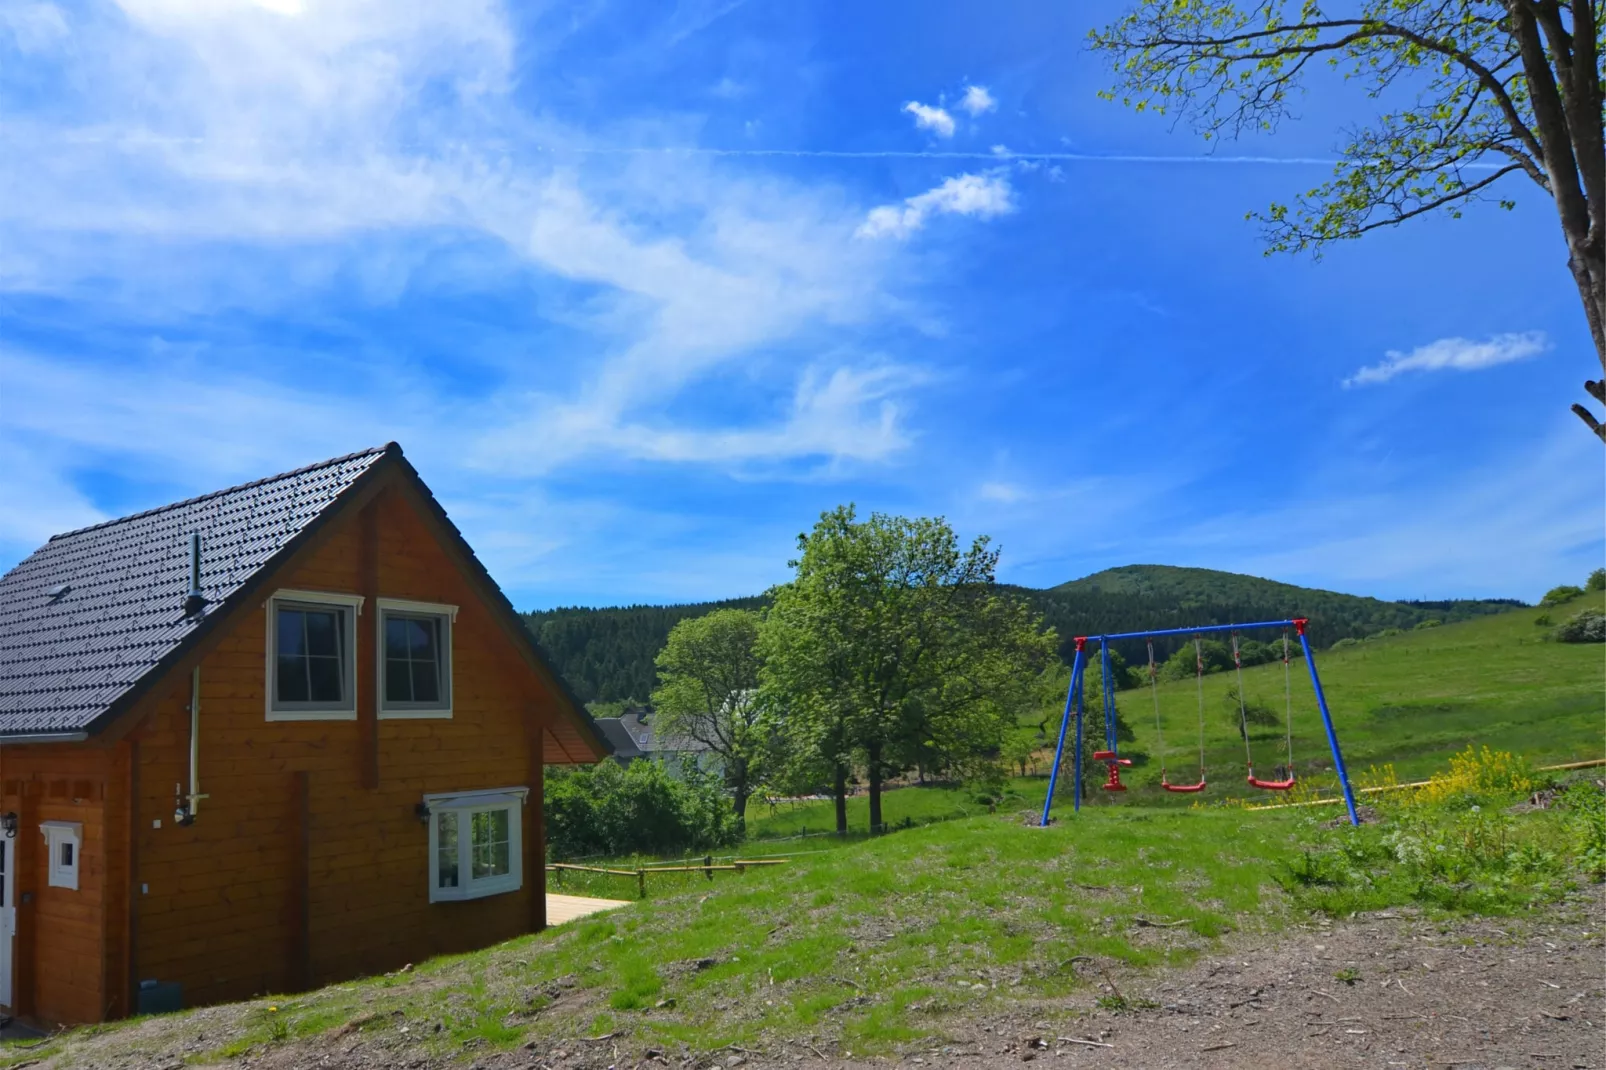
(1342, 643)
(1474, 773)
(1586, 626)
(1431, 622)
(1557, 595)
(1386, 633)
(1596, 581)
(1254, 711)
(606, 809)
(1543, 620)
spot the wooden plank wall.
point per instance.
(266, 892)
(59, 961)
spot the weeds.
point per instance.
(1453, 844)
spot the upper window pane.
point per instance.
(310, 657)
(414, 656)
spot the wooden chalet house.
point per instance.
(276, 736)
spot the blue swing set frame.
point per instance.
(1111, 755)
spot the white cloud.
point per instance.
(977, 100)
(982, 196)
(931, 118)
(263, 125)
(1458, 354)
(1004, 493)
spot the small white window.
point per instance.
(64, 843)
(475, 844)
(415, 658)
(311, 640)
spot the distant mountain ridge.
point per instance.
(607, 655)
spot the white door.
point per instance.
(8, 914)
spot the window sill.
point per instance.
(312, 715)
(460, 895)
(416, 715)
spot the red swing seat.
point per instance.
(1271, 785)
(1181, 788)
(1115, 762)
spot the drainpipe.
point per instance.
(188, 804)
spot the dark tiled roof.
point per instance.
(619, 738)
(66, 659)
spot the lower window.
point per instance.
(475, 842)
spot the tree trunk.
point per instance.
(840, 790)
(742, 792)
(874, 754)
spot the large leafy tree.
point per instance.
(892, 644)
(708, 692)
(1488, 90)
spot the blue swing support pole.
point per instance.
(1081, 711)
(1327, 722)
(1073, 702)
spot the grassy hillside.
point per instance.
(1409, 700)
(887, 945)
(607, 654)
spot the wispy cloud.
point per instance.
(982, 196)
(273, 128)
(977, 100)
(1455, 354)
(1002, 493)
(931, 117)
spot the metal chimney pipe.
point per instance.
(195, 601)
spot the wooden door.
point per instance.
(8, 916)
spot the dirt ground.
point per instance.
(1393, 989)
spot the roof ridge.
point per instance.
(303, 470)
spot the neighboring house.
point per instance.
(632, 736)
(619, 738)
(320, 757)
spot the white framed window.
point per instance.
(414, 647)
(312, 643)
(64, 844)
(476, 843)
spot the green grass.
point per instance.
(876, 945)
(949, 915)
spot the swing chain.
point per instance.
(1288, 706)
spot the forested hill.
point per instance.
(607, 654)
(1145, 597)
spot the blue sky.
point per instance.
(643, 288)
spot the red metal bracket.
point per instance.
(1111, 759)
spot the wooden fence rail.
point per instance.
(1418, 784)
(708, 868)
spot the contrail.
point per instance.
(999, 156)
